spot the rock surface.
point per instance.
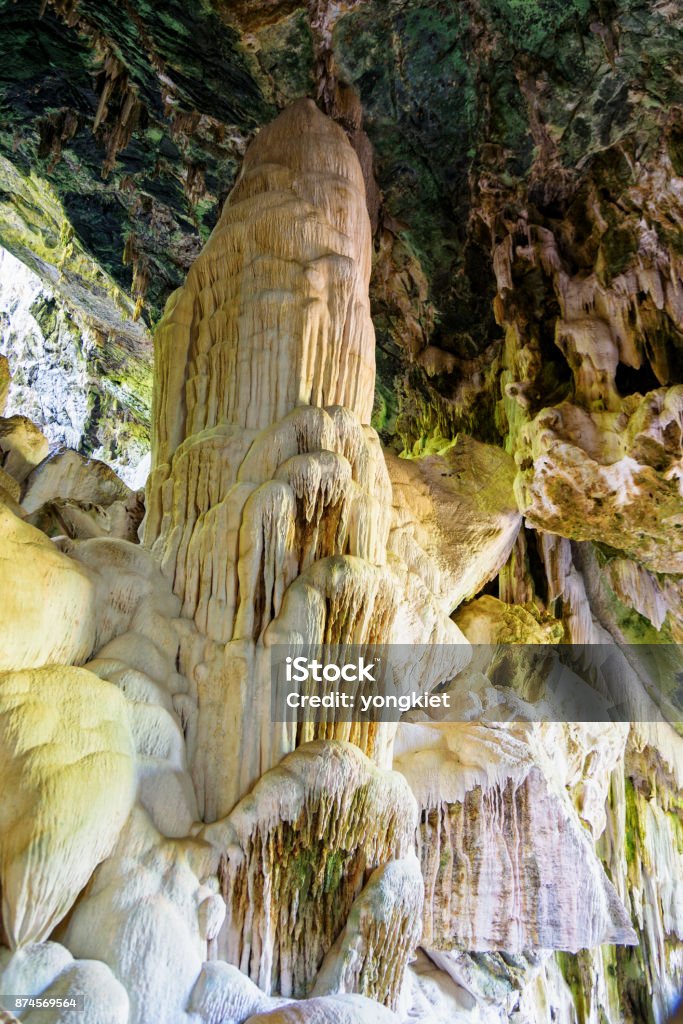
(67, 763)
(65, 374)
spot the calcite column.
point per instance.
(269, 502)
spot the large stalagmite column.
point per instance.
(269, 502)
(270, 509)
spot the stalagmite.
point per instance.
(269, 502)
(258, 329)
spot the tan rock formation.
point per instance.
(299, 333)
(490, 621)
(269, 502)
(83, 520)
(67, 765)
(10, 492)
(22, 446)
(458, 508)
(37, 578)
(69, 495)
(66, 474)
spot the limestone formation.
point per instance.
(488, 620)
(105, 1001)
(172, 852)
(22, 445)
(83, 520)
(458, 507)
(222, 993)
(299, 847)
(69, 495)
(612, 476)
(383, 928)
(36, 579)
(487, 817)
(269, 501)
(81, 377)
(180, 913)
(327, 1010)
(66, 474)
(68, 771)
(247, 356)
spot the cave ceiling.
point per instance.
(123, 125)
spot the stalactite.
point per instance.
(297, 849)
(494, 877)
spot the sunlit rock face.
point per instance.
(58, 373)
(45, 355)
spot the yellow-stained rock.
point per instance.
(47, 614)
(68, 777)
